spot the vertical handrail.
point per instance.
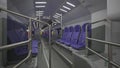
(109, 55)
(86, 41)
(110, 48)
(50, 47)
(30, 34)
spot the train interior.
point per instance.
(59, 34)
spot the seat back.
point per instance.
(82, 37)
(69, 35)
(75, 35)
(34, 47)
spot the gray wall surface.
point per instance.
(3, 4)
(98, 33)
(3, 40)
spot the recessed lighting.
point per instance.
(66, 7)
(39, 14)
(40, 2)
(70, 4)
(40, 11)
(59, 14)
(39, 6)
(63, 10)
(56, 16)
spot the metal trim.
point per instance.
(15, 45)
(106, 42)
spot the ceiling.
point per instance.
(83, 7)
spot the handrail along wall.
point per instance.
(110, 44)
(29, 41)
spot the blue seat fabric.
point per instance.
(81, 41)
(75, 36)
(63, 35)
(68, 36)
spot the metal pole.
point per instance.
(109, 46)
(50, 47)
(109, 55)
(30, 34)
(86, 41)
(61, 24)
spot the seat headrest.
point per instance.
(77, 28)
(86, 25)
(66, 29)
(71, 28)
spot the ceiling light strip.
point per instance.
(39, 11)
(39, 6)
(58, 14)
(66, 7)
(70, 4)
(63, 10)
(40, 2)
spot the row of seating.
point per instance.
(16, 32)
(75, 36)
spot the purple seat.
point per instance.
(34, 46)
(81, 41)
(35, 43)
(63, 35)
(75, 36)
(68, 36)
(34, 51)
